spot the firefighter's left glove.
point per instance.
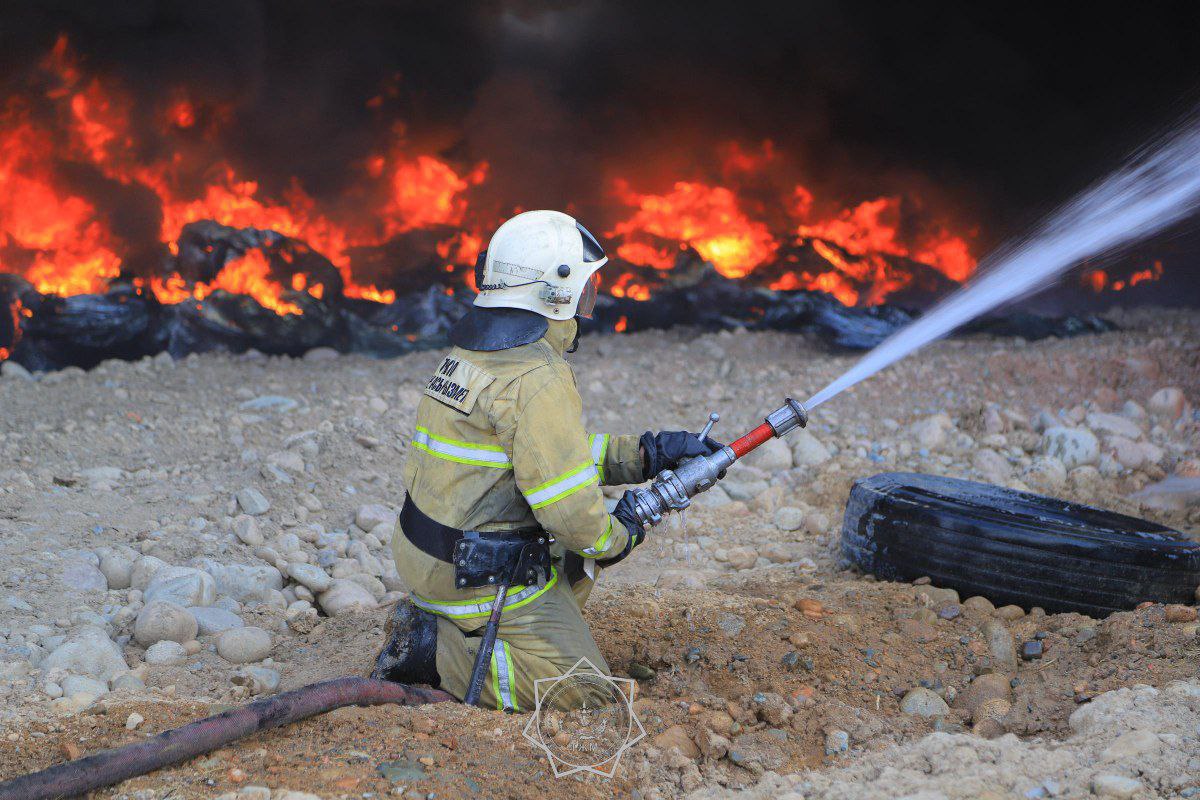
(664, 450)
(624, 512)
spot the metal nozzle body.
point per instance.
(673, 490)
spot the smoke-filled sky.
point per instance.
(1005, 106)
(991, 113)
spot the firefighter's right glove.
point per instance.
(664, 450)
(625, 513)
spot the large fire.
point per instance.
(59, 231)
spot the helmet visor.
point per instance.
(587, 301)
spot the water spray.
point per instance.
(1156, 187)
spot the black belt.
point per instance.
(435, 539)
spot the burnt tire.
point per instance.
(1014, 547)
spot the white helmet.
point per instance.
(541, 261)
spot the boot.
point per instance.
(410, 654)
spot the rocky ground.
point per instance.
(179, 537)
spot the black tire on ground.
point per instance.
(1014, 547)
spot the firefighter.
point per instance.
(500, 449)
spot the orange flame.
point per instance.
(621, 325)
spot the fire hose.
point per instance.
(671, 490)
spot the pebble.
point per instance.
(164, 621)
(774, 455)
(81, 576)
(245, 528)
(165, 653)
(87, 651)
(133, 721)
(243, 645)
(1032, 650)
(677, 737)
(1167, 403)
(1074, 447)
(253, 502)
(117, 570)
(80, 684)
(183, 586)
(807, 450)
(127, 681)
(1117, 786)
(212, 619)
(1001, 645)
(345, 596)
(374, 514)
(836, 742)
(144, 570)
(789, 518)
(741, 557)
(258, 679)
(923, 702)
(310, 576)
(1180, 613)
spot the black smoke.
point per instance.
(993, 111)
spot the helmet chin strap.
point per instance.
(575, 342)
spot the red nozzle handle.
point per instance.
(752, 439)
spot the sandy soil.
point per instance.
(752, 645)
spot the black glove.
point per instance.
(628, 517)
(666, 449)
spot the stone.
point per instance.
(346, 596)
(774, 455)
(258, 679)
(245, 528)
(374, 514)
(310, 576)
(183, 586)
(807, 450)
(1173, 493)
(242, 582)
(789, 518)
(144, 570)
(979, 605)
(253, 502)
(117, 570)
(676, 737)
(745, 490)
(836, 742)
(1001, 646)
(1010, 612)
(984, 690)
(1045, 471)
(211, 619)
(1129, 745)
(932, 432)
(243, 645)
(80, 576)
(81, 684)
(133, 721)
(128, 682)
(1180, 613)
(992, 466)
(164, 621)
(1074, 447)
(741, 557)
(1113, 425)
(1117, 786)
(923, 702)
(1167, 403)
(165, 653)
(270, 402)
(87, 651)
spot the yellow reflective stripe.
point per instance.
(598, 443)
(512, 695)
(479, 455)
(601, 543)
(502, 677)
(563, 486)
(518, 596)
